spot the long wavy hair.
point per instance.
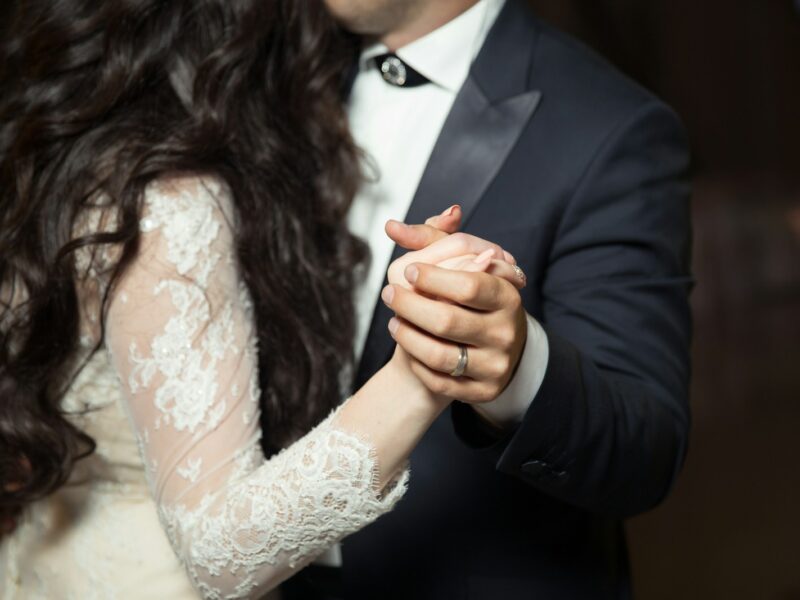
(106, 97)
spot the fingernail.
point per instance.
(510, 257)
(484, 257)
(396, 222)
(448, 212)
(388, 294)
(412, 273)
(393, 325)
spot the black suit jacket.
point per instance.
(580, 174)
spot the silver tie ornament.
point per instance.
(394, 71)
(398, 73)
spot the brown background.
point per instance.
(731, 528)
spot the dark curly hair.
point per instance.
(106, 97)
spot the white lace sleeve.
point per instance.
(180, 332)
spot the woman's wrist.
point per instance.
(398, 374)
(393, 410)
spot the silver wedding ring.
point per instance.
(463, 361)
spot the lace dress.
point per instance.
(178, 500)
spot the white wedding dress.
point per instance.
(178, 500)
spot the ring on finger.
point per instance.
(463, 361)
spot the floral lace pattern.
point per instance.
(181, 339)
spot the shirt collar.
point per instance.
(445, 55)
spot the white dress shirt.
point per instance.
(398, 128)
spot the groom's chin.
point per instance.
(372, 18)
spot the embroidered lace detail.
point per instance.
(181, 338)
(293, 508)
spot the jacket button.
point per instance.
(542, 471)
(534, 468)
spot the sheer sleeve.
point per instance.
(181, 336)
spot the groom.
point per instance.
(573, 410)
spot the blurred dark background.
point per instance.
(731, 69)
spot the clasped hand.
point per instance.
(455, 290)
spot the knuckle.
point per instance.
(496, 292)
(492, 393)
(439, 386)
(514, 300)
(460, 241)
(444, 324)
(508, 365)
(504, 336)
(500, 366)
(439, 359)
(485, 393)
(509, 338)
(470, 290)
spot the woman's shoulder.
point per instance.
(186, 221)
(182, 196)
(192, 217)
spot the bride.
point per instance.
(175, 279)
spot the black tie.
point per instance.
(398, 73)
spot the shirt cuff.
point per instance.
(512, 404)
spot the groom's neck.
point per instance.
(423, 19)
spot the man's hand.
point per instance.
(450, 308)
(439, 309)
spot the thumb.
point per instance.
(413, 237)
(449, 221)
(417, 237)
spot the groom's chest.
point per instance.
(396, 129)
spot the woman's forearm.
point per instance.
(393, 410)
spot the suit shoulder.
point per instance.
(592, 94)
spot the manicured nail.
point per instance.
(388, 294)
(412, 273)
(396, 222)
(449, 212)
(510, 257)
(393, 325)
(484, 257)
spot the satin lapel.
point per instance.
(475, 142)
(479, 133)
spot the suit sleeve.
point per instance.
(607, 431)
